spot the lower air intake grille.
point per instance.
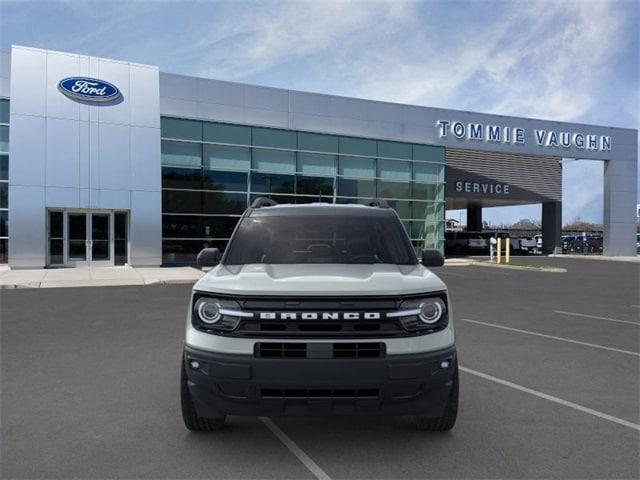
(328, 393)
(325, 350)
(281, 350)
(358, 350)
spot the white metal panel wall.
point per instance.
(70, 154)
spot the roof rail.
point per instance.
(377, 202)
(262, 202)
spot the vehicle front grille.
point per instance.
(320, 393)
(260, 328)
(320, 350)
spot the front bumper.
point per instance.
(226, 384)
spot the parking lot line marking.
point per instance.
(596, 317)
(295, 449)
(562, 339)
(551, 398)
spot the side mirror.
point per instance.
(432, 258)
(208, 257)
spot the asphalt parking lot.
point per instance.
(549, 388)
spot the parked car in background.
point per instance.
(472, 243)
(528, 245)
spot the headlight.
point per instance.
(208, 310)
(431, 310)
(429, 313)
(210, 313)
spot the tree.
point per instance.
(579, 225)
(526, 224)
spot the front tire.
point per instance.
(191, 419)
(448, 419)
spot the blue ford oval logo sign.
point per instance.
(89, 89)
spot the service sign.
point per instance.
(88, 89)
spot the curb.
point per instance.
(521, 267)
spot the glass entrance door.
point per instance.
(77, 240)
(100, 243)
(87, 238)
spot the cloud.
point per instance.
(570, 60)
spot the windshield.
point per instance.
(341, 239)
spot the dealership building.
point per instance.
(107, 162)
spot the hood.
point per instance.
(320, 280)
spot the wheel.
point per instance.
(448, 419)
(190, 417)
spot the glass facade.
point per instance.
(211, 172)
(4, 180)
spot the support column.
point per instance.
(620, 192)
(474, 218)
(551, 226)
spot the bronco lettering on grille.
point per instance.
(320, 316)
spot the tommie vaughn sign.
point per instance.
(478, 132)
(88, 89)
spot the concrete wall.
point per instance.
(70, 154)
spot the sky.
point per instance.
(558, 60)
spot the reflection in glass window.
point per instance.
(225, 133)
(4, 139)
(182, 129)
(176, 201)
(357, 167)
(428, 153)
(217, 202)
(268, 183)
(428, 173)
(288, 166)
(314, 186)
(4, 217)
(274, 161)
(280, 199)
(272, 137)
(358, 146)
(180, 153)
(4, 167)
(226, 158)
(316, 164)
(432, 192)
(394, 171)
(4, 195)
(403, 209)
(348, 187)
(194, 226)
(217, 180)
(4, 111)
(186, 251)
(394, 150)
(317, 143)
(190, 178)
(394, 189)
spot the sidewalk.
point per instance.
(635, 259)
(96, 277)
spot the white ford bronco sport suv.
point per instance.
(319, 309)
